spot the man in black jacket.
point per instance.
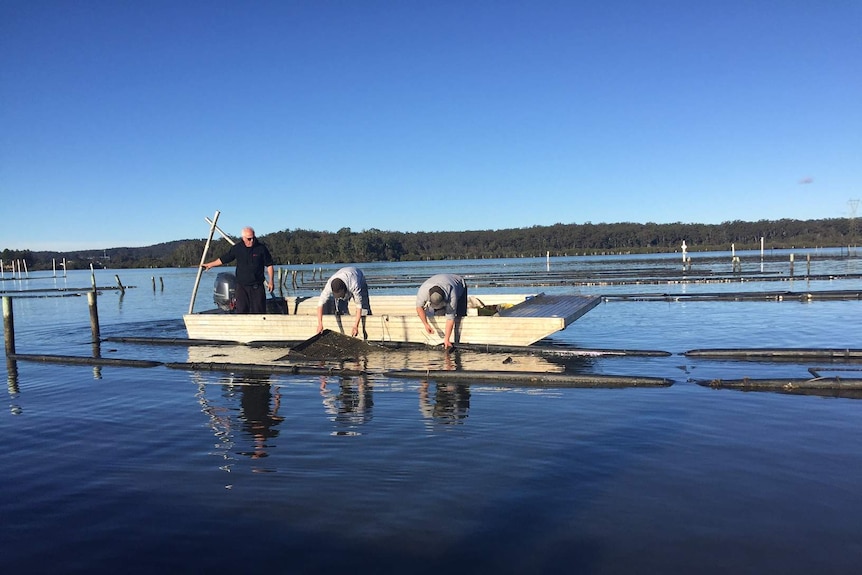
(252, 259)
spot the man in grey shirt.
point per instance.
(443, 294)
(345, 284)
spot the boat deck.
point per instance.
(568, 307)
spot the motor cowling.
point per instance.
(224, 291)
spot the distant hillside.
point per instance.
(141, 257)
(307, 246)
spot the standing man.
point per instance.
(346, 284)
(443, 294)
(252, 258)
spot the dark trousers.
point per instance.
(250, 299)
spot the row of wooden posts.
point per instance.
(9, 317)
(9, 321)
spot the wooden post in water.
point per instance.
(808, 266)
(93, 277)
(761, 254)
(162, 283)
(8, 325)
(154, 282)
(94, 315)
(791, 265)
(120, 284)
(684, 248)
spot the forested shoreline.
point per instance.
(301, 246)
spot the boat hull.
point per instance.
(398, 325)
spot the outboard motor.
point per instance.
(224, 290)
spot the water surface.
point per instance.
(159, 469)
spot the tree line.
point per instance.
(301, 246)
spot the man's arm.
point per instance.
(215, 263)
(355, 331)
(447, 336)
(420, 311)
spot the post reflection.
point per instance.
(12, 386)
(350, 405)
(97, 353)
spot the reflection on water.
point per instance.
(350, 404)
(256, 417)
(259, 405)
(448, 405)
(12, 386)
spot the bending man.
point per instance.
(345, 284)
(443, 294)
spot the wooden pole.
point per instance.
(94, 315)
(203, 261)
(120, 284)
(8, 325)
(219, 230)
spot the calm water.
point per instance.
(167, 470)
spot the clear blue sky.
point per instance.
(126, 123)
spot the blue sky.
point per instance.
(127, 123)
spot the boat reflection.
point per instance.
(384, 359)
